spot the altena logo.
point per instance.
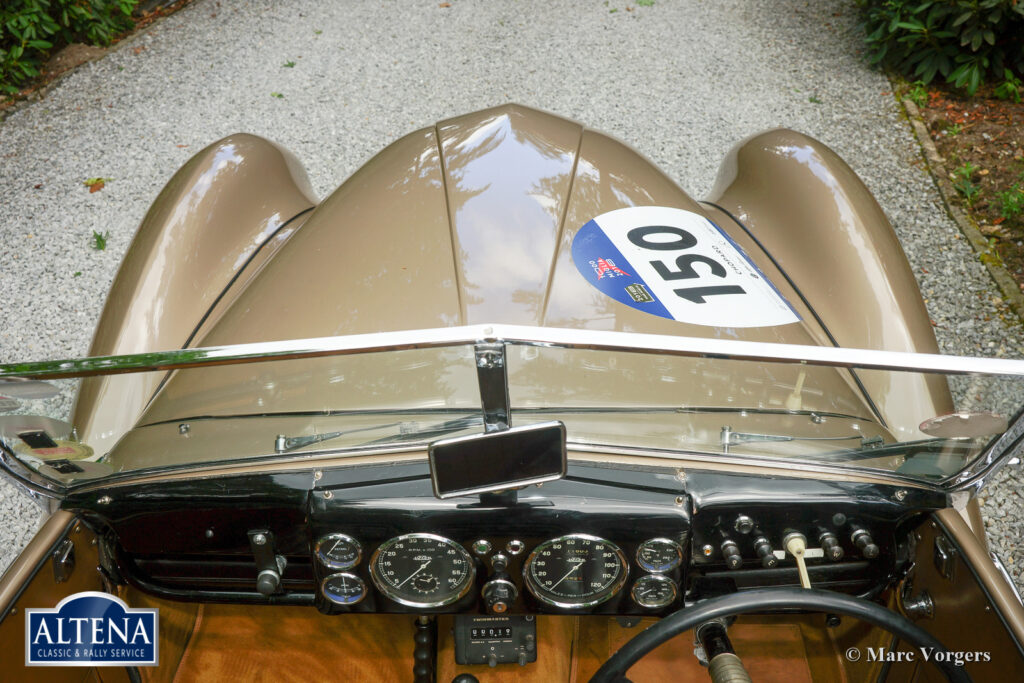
(91, 629)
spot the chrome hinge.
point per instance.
(63, 561)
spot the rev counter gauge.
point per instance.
(575, 571)
(343, 589)
(422, 570)
(339, 551)
(659, 555)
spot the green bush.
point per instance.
(965, 41)
(29, 29)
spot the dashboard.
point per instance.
(613, 540)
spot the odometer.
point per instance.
(422, 570)
(575, 571)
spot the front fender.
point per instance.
(206, 224)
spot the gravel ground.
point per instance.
(681, 81)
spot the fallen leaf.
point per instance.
(181, 145)
(139, 49)
(95, 184)
(38, 187)
(445, 4)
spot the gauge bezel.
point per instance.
(348, 575)
(386, 590)
(607, 593)
(647, 567)
(334, 564)
(654, 578)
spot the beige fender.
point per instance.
(207, 223)
(819, 222)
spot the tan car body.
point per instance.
(471, 221)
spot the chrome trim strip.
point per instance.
(1006, 575)
(597, 340)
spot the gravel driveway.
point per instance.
(680, 80)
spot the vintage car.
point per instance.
(509, 405)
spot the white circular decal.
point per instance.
(678, 265)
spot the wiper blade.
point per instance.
(412, 432)
(731, 438)
(285, 444)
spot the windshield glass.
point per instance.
(928, 426)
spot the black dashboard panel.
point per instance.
(191, 539)
(624, 515)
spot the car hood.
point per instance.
(472, 221)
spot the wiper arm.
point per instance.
(731, 438)
(284, 444)
(440, 429)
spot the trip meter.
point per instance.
(575, 571)
(422, 570)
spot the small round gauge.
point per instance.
(339, 551)
(654, 591)
(658, 555)
(575, 571)
(422, 570)
(343, 589)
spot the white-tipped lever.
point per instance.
(796, 544)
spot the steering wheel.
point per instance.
(815, 600)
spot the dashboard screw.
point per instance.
(259, 539)
(901, 494)
(328, 494)
(184, 428)
(680, 500)
(318, 475)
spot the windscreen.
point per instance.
(928, 426)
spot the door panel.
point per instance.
(975, 610)
(32, 582)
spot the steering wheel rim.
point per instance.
(775, 598)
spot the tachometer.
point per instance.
(422, 570)
(575, 571)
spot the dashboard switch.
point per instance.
(862, 539)
(499, 594)
(764, 550)
(830, 546)
(744, 524)
(731, 553)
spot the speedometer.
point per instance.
(575, 571)
(422, 570)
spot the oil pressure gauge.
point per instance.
(344, 589)
(654, 591)
(659, 555)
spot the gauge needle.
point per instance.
(422, 567)
(574, 568)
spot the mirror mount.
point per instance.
(492, 375)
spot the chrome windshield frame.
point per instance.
(972, 477)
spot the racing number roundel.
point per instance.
(678, 265)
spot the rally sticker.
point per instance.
(678, 265)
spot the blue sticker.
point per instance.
(604, 266)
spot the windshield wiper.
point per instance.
(284, 444)
(731, 438)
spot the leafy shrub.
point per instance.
(29, 29)
(964, 41)
(1011, 87)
